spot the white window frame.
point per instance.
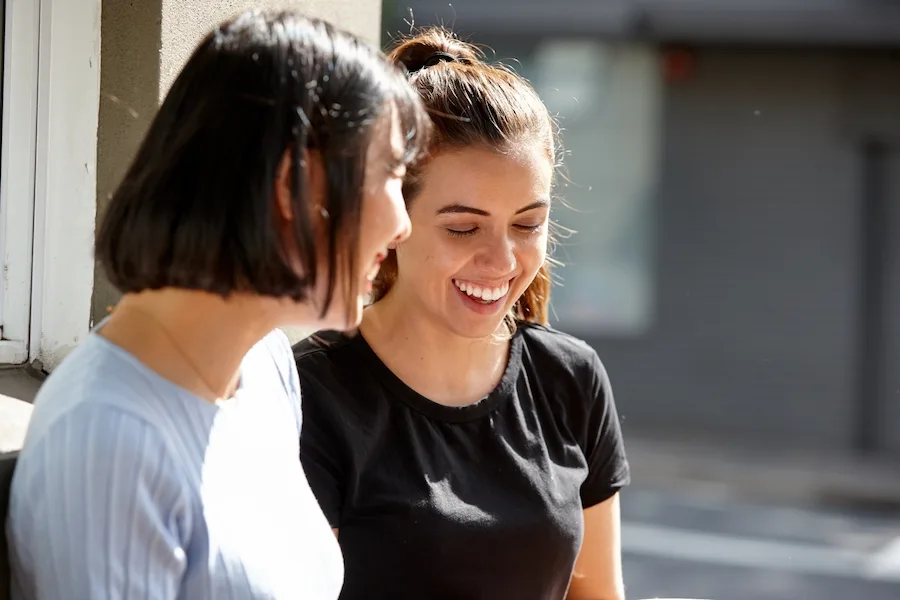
(49, 155)
(65, 178)
(17, 171)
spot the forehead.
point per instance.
(483, 177)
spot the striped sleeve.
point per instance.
(98, 510)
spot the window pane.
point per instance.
(607, 97)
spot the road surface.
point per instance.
(703, 544)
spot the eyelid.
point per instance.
(461, 232)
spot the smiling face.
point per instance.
(479, 236)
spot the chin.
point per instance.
(355, 317)
(344, 320)
(338, 318)
(475, 328)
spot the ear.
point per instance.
(312, 170)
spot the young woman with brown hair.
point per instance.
(459, 446)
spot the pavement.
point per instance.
(700, 544)
(727, 468)
(715, 519)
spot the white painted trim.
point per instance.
(17, 164)
(13, 352)
(66, 180)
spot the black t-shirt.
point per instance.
(479, 501)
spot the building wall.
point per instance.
(144, 45)
(757, 288)
(764, 288)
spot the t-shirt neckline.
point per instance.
(432, 409)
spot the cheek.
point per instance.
(532, 253)
(374, 219)
(428, 257)
(381, 218)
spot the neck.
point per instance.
(429, 358)
(195, 339)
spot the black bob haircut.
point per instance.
(196, 208)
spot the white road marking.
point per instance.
(885, 563)
(713, 548)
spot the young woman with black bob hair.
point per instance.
(162, 458)
(460, 446)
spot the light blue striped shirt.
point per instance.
(130, 487)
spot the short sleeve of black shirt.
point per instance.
(497, 486)
(603, 446)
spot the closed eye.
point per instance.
(462, 232)
(474, 230)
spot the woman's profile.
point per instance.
(162, 457)
(461, 447)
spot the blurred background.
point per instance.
(732, 173)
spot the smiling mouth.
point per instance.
(482, 294)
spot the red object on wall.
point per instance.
(678, 64)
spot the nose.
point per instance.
(497, 256)
(396, 214)
(403, 226)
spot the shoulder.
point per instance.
(114, 476)
(96, 427)
(98, 382)
(336, 376)
(556, 354)
(277, 348)
(97, 445)
(322, 345)
(324, 355)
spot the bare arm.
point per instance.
(598, 568)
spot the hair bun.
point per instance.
(430, 46)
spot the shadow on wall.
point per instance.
(131, 37)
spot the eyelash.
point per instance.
(469, 232)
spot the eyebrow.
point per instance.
(463, 209)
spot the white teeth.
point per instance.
(484, 293)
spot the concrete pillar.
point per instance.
(143, 46)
